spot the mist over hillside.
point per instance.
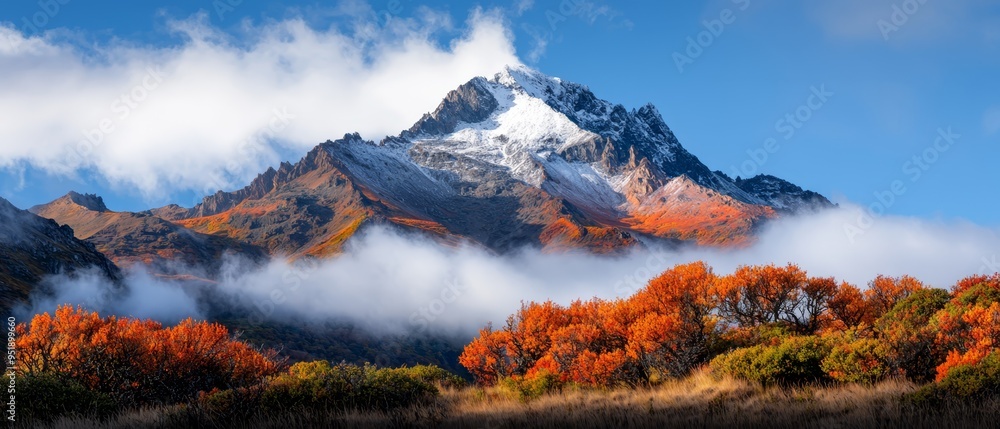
(389, 282)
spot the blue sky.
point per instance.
(897, 75)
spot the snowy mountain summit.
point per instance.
(514, 159)
(558, 136)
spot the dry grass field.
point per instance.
(698, 401)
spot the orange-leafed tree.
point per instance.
(989, 281)
(896, 326)
(138, 361)
(590, 349)
(968, 327)
(486, 356)
(517, 346)
(653, 338)
(848, 306)
(673, 335)
(983, 338)
(968, 293)
(618, 318)
(812, 311)
(884, 292)
(529, 333)
(578, 358)
(760, 295)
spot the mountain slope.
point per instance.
(685, 211)
(515, 159)
(314, 206)
(129, 238)
(32, 247)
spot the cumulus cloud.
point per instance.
(213, 109)
(388, 283)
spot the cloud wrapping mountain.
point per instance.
(212, 110)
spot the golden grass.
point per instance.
(698, 401)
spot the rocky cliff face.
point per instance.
(32, 247)
(782, 195)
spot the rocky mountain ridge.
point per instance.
(511, 160)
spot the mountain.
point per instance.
(781, 195)
(129, 238)
(32, 247)
(515, 159)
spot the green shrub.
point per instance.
(392, 387)
(435, 375)
(47, 396)
(320, 386)
(794, 360)
(966, 382)
(529, 388)
(857, 361)
(982, 294)
(743, 337)
(226, 405)
(910, 339)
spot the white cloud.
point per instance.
(190, 109)
(389, 283)
(937, 252)
(523, 6)
(385, 280)
(141, 295)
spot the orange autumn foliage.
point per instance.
(981, 338)
(138, 361)
(688, 315)
(848, 306)
(991, 281)
(762, 295)
(667, 329)
(672, 336)
(884, 292)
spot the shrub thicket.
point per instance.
(793, 361)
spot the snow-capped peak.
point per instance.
(557, 135)
(521, 133)
(523, 78)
